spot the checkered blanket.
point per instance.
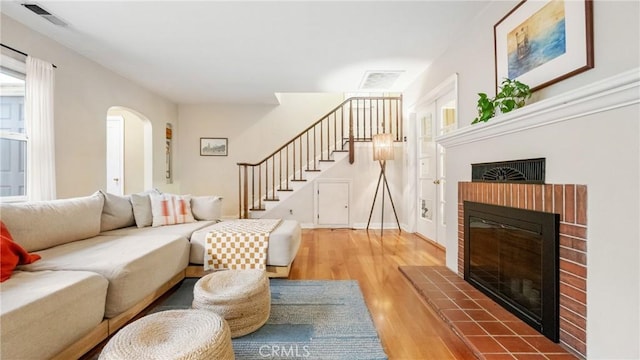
(238, 244)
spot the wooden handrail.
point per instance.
(360, 127)
(318, 122)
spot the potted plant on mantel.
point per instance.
(512, 95)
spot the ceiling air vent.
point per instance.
(380, 80)
(45, 14)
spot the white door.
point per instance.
(332, 203)
(435, 115)
(446, 122)
(115, 151)
(426, 157)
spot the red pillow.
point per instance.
(12, 254)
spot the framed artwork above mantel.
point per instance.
(540, 43)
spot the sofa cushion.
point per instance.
(134, 265)
(43, 224)
(206, 207)
(169, 209)
(117, 212)
(142, 208)
(184, 230)
(284, 242)
(12, 254)
(45, 312)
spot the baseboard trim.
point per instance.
(439, 246)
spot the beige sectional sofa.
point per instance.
(94, 276)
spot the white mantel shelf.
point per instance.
(611, 93)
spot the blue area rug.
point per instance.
(310, 319)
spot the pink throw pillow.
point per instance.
(169, 209)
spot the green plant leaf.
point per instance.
(511, 95)
(507, 105)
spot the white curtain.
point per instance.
(41, 170)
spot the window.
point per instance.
(13, 138)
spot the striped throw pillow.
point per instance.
(169, 209)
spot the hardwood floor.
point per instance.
(408, 328)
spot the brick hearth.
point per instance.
(570, 202)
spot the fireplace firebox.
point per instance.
(511, 255)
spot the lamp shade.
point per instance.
(383, 147)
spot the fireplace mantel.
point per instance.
(614, 92)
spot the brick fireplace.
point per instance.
(570, 202)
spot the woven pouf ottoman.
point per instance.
(242, 297)
(172, 334)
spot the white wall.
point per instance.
(254, 132)
(599, 150)
(363, 177)
(364, 173)
(298, 206)
(84, 91)
(616, 44)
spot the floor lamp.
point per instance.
(383, 151)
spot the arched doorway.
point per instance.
(129, 151)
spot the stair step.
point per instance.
(257, 209)
(273, 199)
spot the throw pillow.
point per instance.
(117, 212)
(168, 209)
(206, 207)
(142, 208)
(12, 254)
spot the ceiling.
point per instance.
(246, 52)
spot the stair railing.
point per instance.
(356, 119)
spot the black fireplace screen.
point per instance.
(512, 256)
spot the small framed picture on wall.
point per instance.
(214, 147)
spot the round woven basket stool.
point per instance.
(242, 297)
(172, 334)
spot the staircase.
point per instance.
(330, 139)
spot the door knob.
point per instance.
(116, 179)
(437, 181)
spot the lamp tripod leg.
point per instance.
(374, 198)
(386, 184)
(382, 214)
